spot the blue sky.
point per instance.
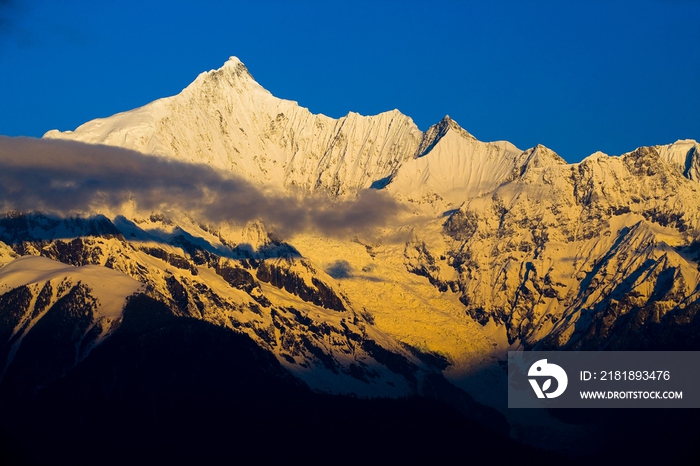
(577, 76)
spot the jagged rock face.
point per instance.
(562, 254)
(285, 304)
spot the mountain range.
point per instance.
(359, 257)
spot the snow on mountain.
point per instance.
(52, 315)
(498, 248)
(228, 121)
(563, 242)
(109, 286)
(452, 165)
(281, 300)
(684, 155)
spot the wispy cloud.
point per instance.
(69, 177)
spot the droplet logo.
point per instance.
(543, 369)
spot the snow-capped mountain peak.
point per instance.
(234, 62)
(228, 121)
(233, 76)
(437, 132)
(684, 154)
